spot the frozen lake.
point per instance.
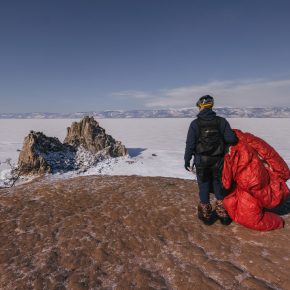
(164, 138)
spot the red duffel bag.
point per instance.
(255, 175)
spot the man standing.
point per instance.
(207, 139)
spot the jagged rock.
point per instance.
(41, 154)
(85, 145)
(88, 134)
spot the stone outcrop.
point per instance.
(86, 144)
(88, 134)
(41, 154)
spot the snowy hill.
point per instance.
(164, 113)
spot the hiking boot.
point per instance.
(222, 213)
(204, 213)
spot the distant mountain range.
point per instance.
(166, 113)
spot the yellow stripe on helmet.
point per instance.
(206, 105)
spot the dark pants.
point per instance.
(208, 174)
(207, 187)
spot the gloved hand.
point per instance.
(187, 166)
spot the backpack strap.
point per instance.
(217, 121)
(210, 138)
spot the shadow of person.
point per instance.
(133, 152)
(282, 209)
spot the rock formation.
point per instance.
(41, 154)
(88, 134)
(86, 144)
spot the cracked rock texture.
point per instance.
(101, 232)
(88, 134)
(41, 154)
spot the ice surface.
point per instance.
(156, 146)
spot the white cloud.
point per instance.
(132, 94)
(241, 93)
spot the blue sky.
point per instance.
(83, 55)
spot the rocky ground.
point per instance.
(129, 233)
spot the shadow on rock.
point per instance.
(282, 209)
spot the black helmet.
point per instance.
(205, 102)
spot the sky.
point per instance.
(92, 55)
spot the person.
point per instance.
(208, 138)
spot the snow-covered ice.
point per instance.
(156, 146)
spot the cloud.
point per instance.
(240, 93)
(132, 94)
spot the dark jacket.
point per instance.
(193, 133)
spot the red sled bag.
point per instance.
(256, 175)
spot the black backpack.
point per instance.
(210, 141)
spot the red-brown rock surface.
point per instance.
(129, 233)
